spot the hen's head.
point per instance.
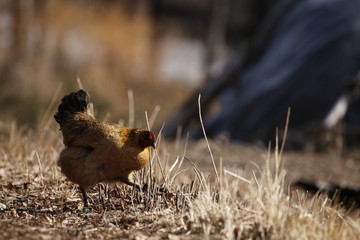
(147, 139)
(139, 138)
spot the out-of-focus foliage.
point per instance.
(47, 45)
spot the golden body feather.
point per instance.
(95, 151)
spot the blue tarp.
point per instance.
(306, 64)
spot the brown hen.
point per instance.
(96, 151)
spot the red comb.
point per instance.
(152, 137)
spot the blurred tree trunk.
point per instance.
(22, 14)
(17, 41)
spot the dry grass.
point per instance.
(37, 202)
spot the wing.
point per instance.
(86, 131)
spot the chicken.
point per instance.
(96, 151)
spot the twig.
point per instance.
(148, 127)
(47, 113)
(156, 152)
(154, 115)
(207, 142)
(40, 167)
(79, 83)
(237, 176)
(285, 132)
(131, 107)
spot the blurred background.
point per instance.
(112, 46)
(250, 60)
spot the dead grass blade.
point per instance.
(207, 141)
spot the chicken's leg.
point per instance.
(128, 182)
(85, 198)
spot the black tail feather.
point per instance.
(73, 103)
